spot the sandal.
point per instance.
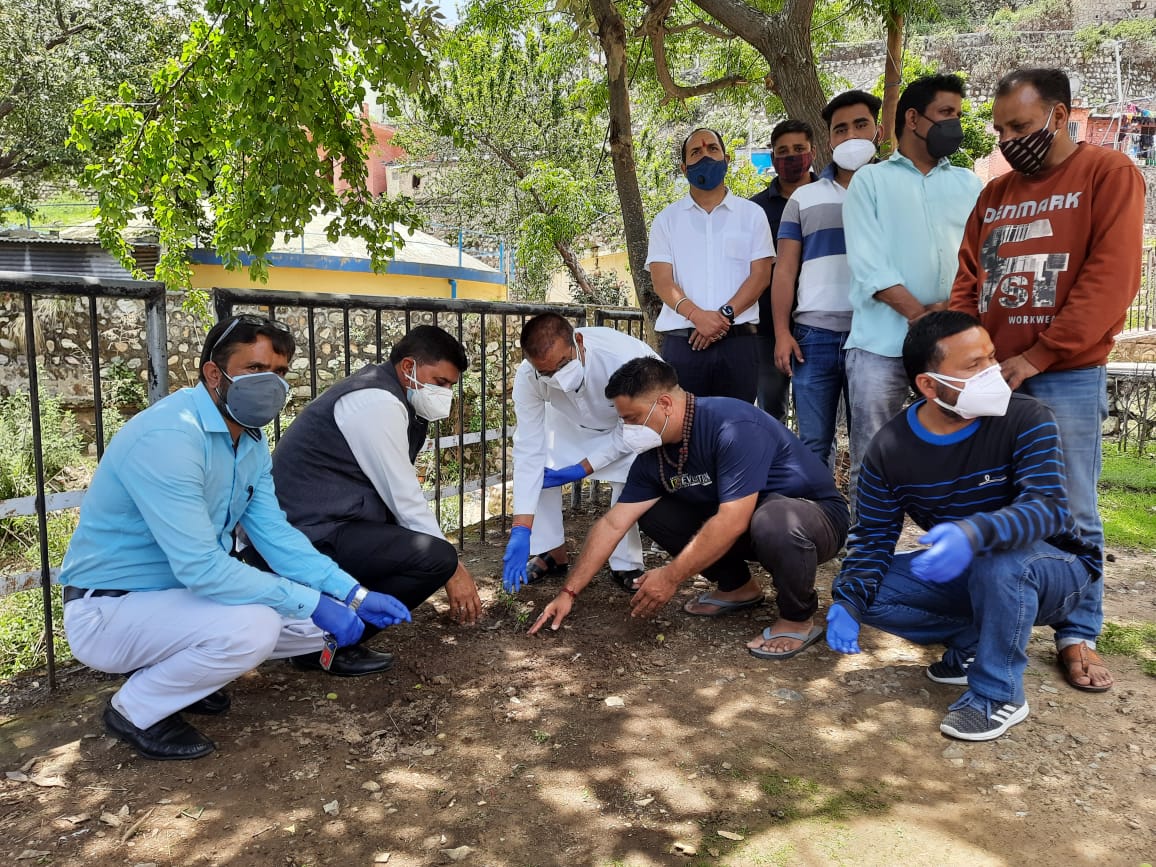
(1083, 657)
(535, 572)
(624, 579)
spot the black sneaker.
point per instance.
(974, 718)
(942, 672)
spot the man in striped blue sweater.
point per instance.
(981, 472)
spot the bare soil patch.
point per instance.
(496, 748)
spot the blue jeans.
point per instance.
(1079, 400)
(988, 612)
(818, 383)
(878, 390)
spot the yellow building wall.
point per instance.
(345, 283)
(615, 262)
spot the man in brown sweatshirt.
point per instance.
(1049, 263)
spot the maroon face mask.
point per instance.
(792, 168)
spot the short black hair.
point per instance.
(852, 97)
(542, 332)
(921, 349)
(428, 344)
(722, 144)
(1052, 85)
(788, 126)
(641, 376)
(921, 93)
(244, 329)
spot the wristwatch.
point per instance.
(729, 312)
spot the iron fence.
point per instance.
(466, 462)
(1142, 311)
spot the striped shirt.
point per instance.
(1000, 479)
(814, 218)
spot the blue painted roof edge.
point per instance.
(201, 256)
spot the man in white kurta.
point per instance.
(566, 430)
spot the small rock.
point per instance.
(787, 694)
(381, 857)
(680, 848)
(332, 808)
(644, 802)
(615, 701)
(371, 786)
(953, 752)
(1135, 825)
(458, 854)
(1046, 687)
(730, 835)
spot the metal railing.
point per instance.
(465, 461)
(1141, 314)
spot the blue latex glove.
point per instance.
(842, 630)
(382, 610)
(556, 478)
(338, 620)
(948, 557)
(514, 563)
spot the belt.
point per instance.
(71, 593)
(733, 331)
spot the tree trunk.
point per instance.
(892, 77)
(784, 41)
(574, 266)
(612, 36)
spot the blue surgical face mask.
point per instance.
(707, 173)
(254, 399)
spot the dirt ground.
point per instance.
(612, 742)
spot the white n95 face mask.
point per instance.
(429, 401)
(853, 154)
(984, 394)
(569, 377)
(641, 438)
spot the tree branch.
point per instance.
(653, 26)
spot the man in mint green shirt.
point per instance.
(903, 220)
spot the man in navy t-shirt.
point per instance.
(717, 482)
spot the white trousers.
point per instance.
(548, 533)
(180, 646)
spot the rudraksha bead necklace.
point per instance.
(683, 449)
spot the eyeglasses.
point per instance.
(248, 319)
(541, 374)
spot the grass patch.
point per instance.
(1128, 499)
(1136, 640)
(793, 798)
(22, 640)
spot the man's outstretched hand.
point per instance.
(556, 612)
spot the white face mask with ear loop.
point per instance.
(853, 154)
(640, 438)
(570, 376)
(984, 394)
(431, 402)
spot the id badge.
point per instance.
(328, 650)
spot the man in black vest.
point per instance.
(344, 473)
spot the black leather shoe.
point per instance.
(352, 661)
(625, 578)
(212, 704)
(171, 738)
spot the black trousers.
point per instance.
(386, 558)
(773, 394)
(789, 537)
(729, 368)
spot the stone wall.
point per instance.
(986, 57)
(64, 348)
(1091, 12)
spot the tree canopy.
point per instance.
(54, 55)
(239, 138)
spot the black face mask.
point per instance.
(944, 137)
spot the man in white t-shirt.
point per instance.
(710, 258)
(344, 473)
(567, 430)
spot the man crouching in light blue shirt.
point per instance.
(151, 587)
(903, 220)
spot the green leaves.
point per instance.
(243, 137)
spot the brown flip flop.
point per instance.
(1084, 656)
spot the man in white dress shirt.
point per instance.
(567, 430)
(344, 473)
(710, 258)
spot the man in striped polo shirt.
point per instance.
(813, 256)
(981, 471)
